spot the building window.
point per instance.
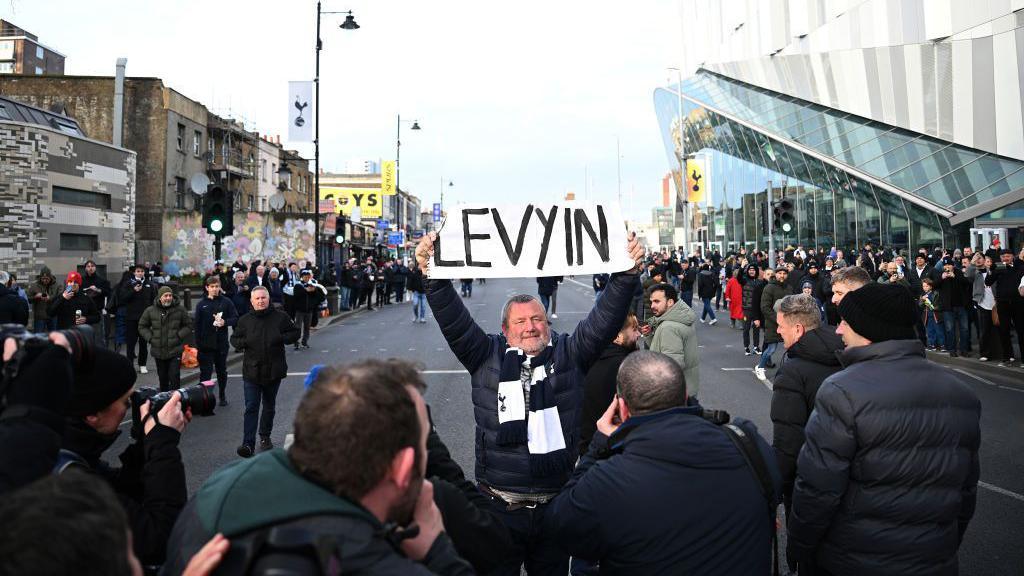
(179, 193)
(273, 173)
(238, 200)
(181, 137)
(39, 71)
(250, 204)
(197, 142)
(86, 198)
(80, 242)
(263, 204)
(6, 67)
(39, 52)
(197, 202)
(263, 170)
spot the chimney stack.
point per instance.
(118, 123)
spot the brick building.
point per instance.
(21, 53)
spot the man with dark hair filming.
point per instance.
(663, 490)
(527, 378)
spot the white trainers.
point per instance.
(983, 359)
(555, 316)
(701, 320)
(759, 372)
(143, 370)
(713, 322)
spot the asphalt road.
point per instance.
(991, 545)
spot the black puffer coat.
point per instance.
(773, 292)
(805, 365)
(752, 288)
(508, 467)
(262, 336)
(887, 478)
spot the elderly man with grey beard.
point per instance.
(527, 387)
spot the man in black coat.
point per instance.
(811, 356)
(13, 310)
(214, 314)
(262, 335)
(869, 499)
(136, 294)
(1005, 280)
(599, 385)
(73, 308)
(665, 491)
(306, 302)
(97, 288)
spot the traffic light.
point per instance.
(218, 212)
(783, 215)
(339, 229)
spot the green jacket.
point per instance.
(167, 329)
(674, 336)
(773, 292)
(52, 290)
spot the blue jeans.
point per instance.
(934, 331)
(766, 355)
(419, 305)
(545, 299)
(467, 289)
(45, 325)
(255, 394)
(686, 296)
(708, 310)
(346, 293)
(955, 321)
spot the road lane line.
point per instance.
(744, 369)
(989, 382)
(1002, 491)
(421, 372)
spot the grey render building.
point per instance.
(898, 122)
(64, 198)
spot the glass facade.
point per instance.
(881, 184)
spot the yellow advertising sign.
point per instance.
(369, 201)
(388, 178)
(695, 181)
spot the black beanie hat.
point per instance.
(99, 383)
(880, 312)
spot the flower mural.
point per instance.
(188, 249)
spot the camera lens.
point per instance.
(199, 398)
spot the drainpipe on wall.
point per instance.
(119, 102)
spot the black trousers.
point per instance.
(132, 336)
(530, 547)
(748, 326)
(1011, 314)
(207, 360)
(169, 373)
(988, 342)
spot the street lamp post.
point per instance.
(348, 24)
(682, 162)
(398, 150)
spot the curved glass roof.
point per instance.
(943, 174)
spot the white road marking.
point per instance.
(738, 369)
(1002, 491)
(412, 349)
(307, 374)
(989, 382)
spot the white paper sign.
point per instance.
(530, 240)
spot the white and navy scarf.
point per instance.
(541, 428)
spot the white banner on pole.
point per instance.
(530, 240)
(300, 111)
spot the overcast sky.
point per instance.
(517, 101)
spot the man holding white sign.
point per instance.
(527, 382)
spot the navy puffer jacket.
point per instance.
(508, 467)
(887, 478)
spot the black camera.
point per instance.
(198, 397)
(31, 344)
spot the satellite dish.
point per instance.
(277, 202)
(199, 183)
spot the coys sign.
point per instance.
(526, 241)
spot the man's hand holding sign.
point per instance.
(551, 240)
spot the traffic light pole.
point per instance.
(771, 241)
(217, 241)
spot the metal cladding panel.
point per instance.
(983, 97)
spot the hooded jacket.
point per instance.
(135, 301)
(598, 391)
(752, 287)
(887, 478)
(707, 284)
(804, 366)
(166, 328)
(246, 498)
(674, 336)
(675, 496)
(773, 292)
(210, 338)
(49, 291)
(98, 298)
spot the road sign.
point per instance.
(396, 238)
(383, 224)
(437, 212)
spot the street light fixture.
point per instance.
(348, 24)
(398, 149)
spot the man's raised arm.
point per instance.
(605, 319)
(466, 339)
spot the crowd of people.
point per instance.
(593, 452)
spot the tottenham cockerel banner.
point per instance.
(300, 111)
(529, 240)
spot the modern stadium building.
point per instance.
(895, 122)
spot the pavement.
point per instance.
(991, 545)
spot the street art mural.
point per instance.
(188, 249)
